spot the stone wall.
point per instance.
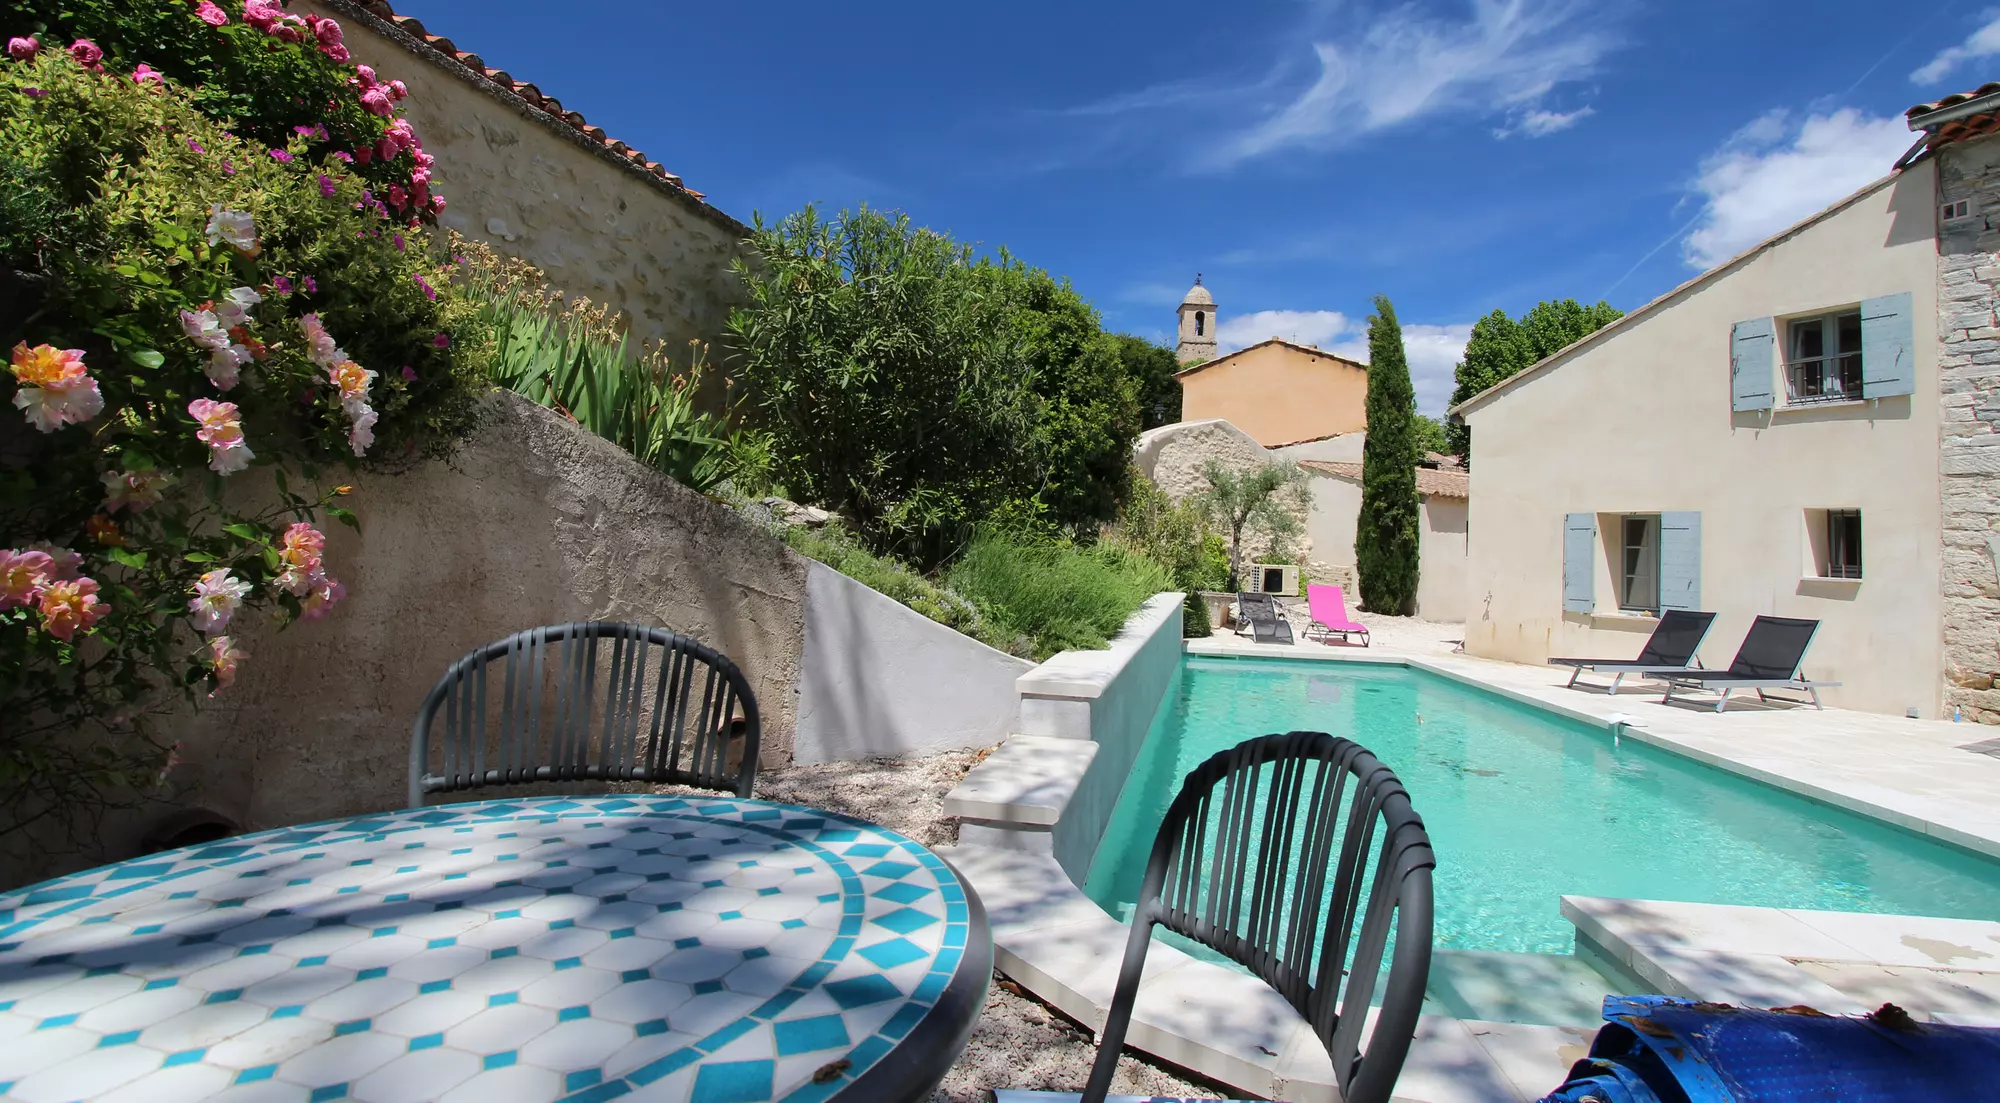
(533, 521)
(1173, 456)
(534, 187)
(1969, 459)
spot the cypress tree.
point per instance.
(1386, 532)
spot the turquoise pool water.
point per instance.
(1524, 806)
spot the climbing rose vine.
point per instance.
(198, 315)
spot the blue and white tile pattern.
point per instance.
(650, 948)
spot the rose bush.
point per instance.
(184, 308)
(274, 75)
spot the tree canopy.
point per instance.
(1501, 346)
(1152, 367)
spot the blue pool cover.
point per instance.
(1657, 1049)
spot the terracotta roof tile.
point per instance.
(529, 93)
(1956, 130)
(1431, 483)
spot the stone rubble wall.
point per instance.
(1969, 448)
(1173, 456)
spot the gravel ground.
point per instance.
(1018, 1042)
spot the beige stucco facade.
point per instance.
(1278, 392)
(1639, 420)
(531, 186)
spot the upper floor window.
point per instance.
(1823, 358)
(1200, 322)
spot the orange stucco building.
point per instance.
(1279, 392)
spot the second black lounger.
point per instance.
(1768, 659)
(1670, 650)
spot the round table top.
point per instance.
(643, 947)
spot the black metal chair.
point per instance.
(593, 701)
(1241, 864)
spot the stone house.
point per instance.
(1805, 430)
(535, 179)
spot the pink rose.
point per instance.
(386, 150)
(146, 75)
(21, 49)
(398, 90)
(375, 101)
(208, 13)
(337, 52)
(86, 53)
(262, 14)
(437, 204)
(327, 31)
(398, 198)
(366, 75)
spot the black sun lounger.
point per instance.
(1670, 650)
(1768, 659)
(1267, 624)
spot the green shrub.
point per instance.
(572, 358)
(921, 392)
(133, 230)
(1058, 595)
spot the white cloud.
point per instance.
(1433, 350)
(1541, 124)
(1404, 65)
(1773, 173)
(1433, 353)
(1984, 42)
(1306, 327)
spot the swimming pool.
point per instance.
(1524, 806)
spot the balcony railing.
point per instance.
(1823, 379)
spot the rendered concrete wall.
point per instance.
(534, 521)
(1109, 697)
(1441, 559)
(597, 224)
(1640, 421)
(1345, 448)
(1279, 393)
(879, 678)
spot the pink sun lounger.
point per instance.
(1327, 605)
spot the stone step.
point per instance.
(1496, 986)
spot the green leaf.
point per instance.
(133, 559)
(147, 358)
(272, 561)
(278, 473)
(199, 557)
(344, 516)
(247, 532)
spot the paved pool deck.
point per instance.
(1914, 773)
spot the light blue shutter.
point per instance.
(1888, 347)
(1579, 561)
(1751, 345)
(1680, 560)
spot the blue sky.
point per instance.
(1456, 155)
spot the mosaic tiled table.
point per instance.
(648, 948)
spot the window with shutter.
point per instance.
(1751, 345)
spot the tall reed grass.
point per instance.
(572, 356)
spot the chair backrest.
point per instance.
(1249, 603)
(1774, 647)
(587, 701)
(1295, 855)
(1676, 638)
(1326, 604)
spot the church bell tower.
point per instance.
(1197, 330)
